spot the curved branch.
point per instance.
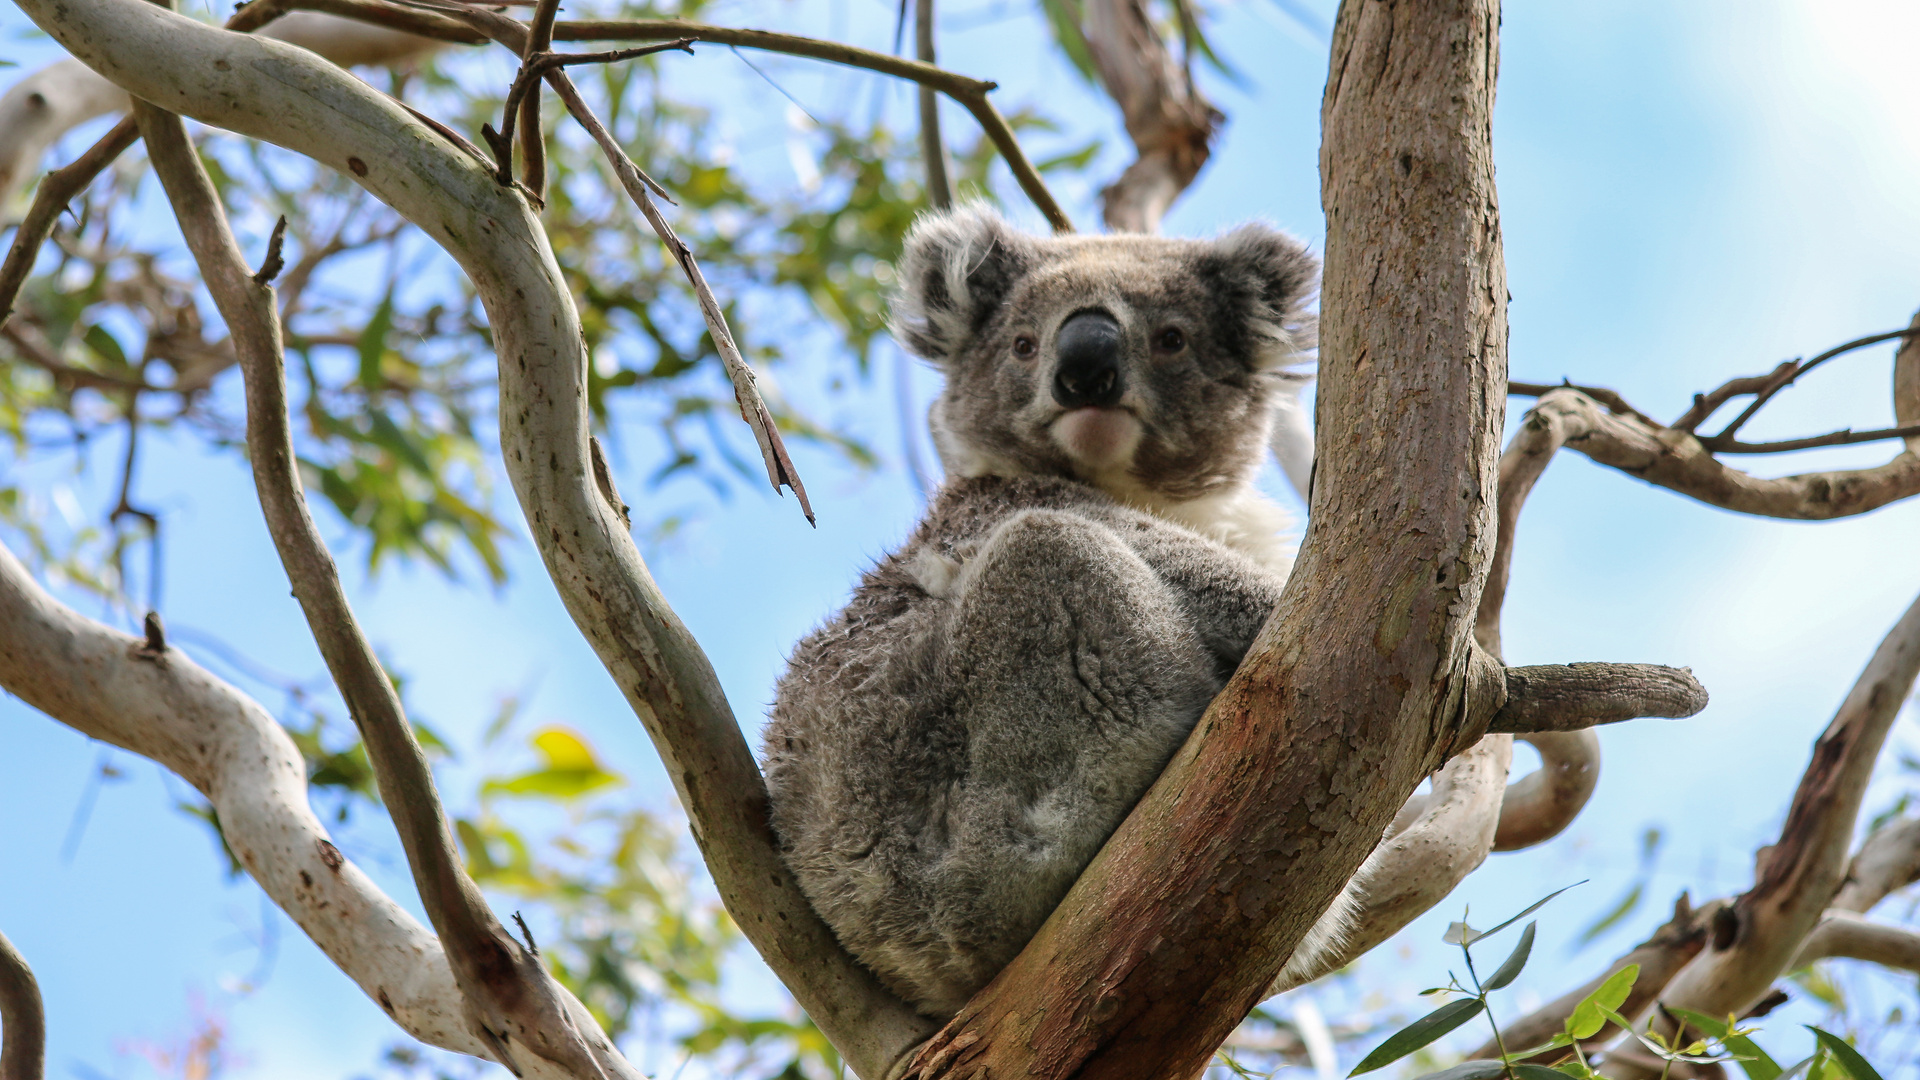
(1540, 805)
(23, 1018)
(508, 995)
(1848, 935)
(289, 97)
(1888, 860)
(1677, 461)
(1800, 874)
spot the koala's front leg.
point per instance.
(1227, 597)
(1075, 674)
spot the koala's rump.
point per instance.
(943, 767)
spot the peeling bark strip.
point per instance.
(1366, 677)
(293, 99)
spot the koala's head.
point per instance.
(1142, 364)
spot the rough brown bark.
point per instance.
(1366, 679)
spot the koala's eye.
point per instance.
(1170, 340)
(1024, 347)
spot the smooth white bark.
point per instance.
(54, 100)
(1844, 934)
(106, 685)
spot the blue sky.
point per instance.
(1689, 192)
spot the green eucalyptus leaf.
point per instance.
(1515, 961)
(1533, 907)
(1843, 1052)
(1419, 1033)
(1755, 1062)
(1589, 1016)
(1537, 1072)
(1470, 1070)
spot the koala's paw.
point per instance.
(937, 575)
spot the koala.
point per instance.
(948, 752)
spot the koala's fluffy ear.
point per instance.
(1274, 276)
(955, 271)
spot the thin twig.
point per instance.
(56, 190)
(509, 998)
(932, 147)
(1845, 437)
(1785, 375)
(526, 86)
(968, 92)
(746, 394)
(1704, 405)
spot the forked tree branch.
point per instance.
(969, 93)
(1619, 436)
(23, 1018)
(1797, 878)
(288, 97)
(511, 1002)
(1184, 918)
(56, 190)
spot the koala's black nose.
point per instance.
(1089, 362)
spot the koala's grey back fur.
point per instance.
(947, 754)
